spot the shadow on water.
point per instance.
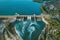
(29, 30)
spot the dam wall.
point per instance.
(22, 17)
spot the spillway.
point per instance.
(29, 30)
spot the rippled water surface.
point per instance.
(29, 30)
(22, 7)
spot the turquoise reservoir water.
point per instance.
(22, 7)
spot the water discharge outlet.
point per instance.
(29, 30)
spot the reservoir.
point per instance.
(22, 7)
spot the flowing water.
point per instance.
(29, 30)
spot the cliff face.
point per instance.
(1, 37)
